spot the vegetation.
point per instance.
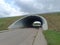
(5, 22)
(52, 37)
(53, 20)
(53, 34)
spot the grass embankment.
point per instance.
(5, 22)
(53, 21)
(52, 37)
(53, 34)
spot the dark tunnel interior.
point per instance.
(30, 19)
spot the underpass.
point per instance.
(27, 21)
(22, 32)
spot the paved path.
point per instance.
(40, 39)
(19, 37)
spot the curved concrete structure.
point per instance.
(27, 21)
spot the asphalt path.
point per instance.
(18, 37)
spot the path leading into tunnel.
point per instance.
(26, 36)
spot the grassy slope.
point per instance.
(53, 37)
(53, 34)
(5, 22)
(53, 21)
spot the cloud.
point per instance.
(30, 6)
(7, 10)
(38, 6)
(27, 1)
(35, 6)
(21, 7)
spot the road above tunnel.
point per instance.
(24, 36)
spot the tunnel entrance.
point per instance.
(28, 21)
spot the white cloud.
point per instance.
(20, 7)
(16, 13)
(33, 6)
(33, 3)
(50, 7)
(8, 8)
(39, 6)
(27, 1)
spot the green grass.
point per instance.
(52, 37)
(5, 22)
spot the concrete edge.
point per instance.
(40, 39)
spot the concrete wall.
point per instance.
(22, 22)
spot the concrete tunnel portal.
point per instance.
(27, 22)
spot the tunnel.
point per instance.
(27, 21)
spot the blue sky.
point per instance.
(22, 7)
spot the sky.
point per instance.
(23, 7)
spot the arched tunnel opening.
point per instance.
(28, 21)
